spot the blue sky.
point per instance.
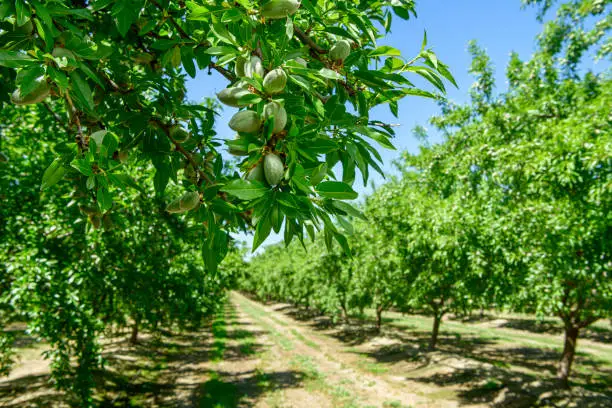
(499, 26)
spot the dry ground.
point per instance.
(256, 355)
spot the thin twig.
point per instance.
(227, 74)
(74, 115)
(182, 32)
(186, 154)
(114, 85)
(316, 52)
(55, 115)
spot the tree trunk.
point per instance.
(379, 311)
(567, 358)
(134, 336)
(345, 316)
(435, 330)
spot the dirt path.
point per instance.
(267, 356)
(251, 372)
(331, 371)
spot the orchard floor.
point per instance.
(274, 355)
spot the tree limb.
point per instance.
(226, 73)
(305, 39)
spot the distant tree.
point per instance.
(538, 158)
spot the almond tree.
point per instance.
(539, 156)
(102, 84)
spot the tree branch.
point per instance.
(182, 32)
(305, 39)
(317, 52)
(74, 115)
(55, 115)
(185, 153)
(227, 74)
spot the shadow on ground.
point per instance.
(253, 384)
(479, 370)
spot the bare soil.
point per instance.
(274, 355)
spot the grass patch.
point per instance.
(306, 341)
(372, 367)
(394, 404)
(315, 381)
(216, 393)
(258, 315)
(220, 334)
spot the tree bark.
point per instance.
(379, 311)
(134, 336)
(345, 316)
(435, 330)
(567, 358)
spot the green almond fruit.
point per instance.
(38, 94)
(231, 96)
(280, 115)
(254, 68)
(245, 121)
(256, 174)
(275, 81)
(178, 134)
(174, 206)
(302, 62)
(340, 50)
(239, 66)
(279, 8)
(190, 171)
(274, 169)
(190, 200)
(238, 146)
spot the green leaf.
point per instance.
(245, 190)
(289, 28)
(401, 12)
(22, 11)
(123, 180)
(53, 174)
(344, 244)
(232, 16)
(15, 59)
(82, 90)
(83, 166)
(223, 34)
(125, 13)
(385, 50)
(105, 199)
(318, 174)
(27, 78)
(164, 44)
(162, 177)
(262, 231)
(337, 190)
(223, 50)
(349, 209)
(328, 73)
(187, 59)
(249, 99)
